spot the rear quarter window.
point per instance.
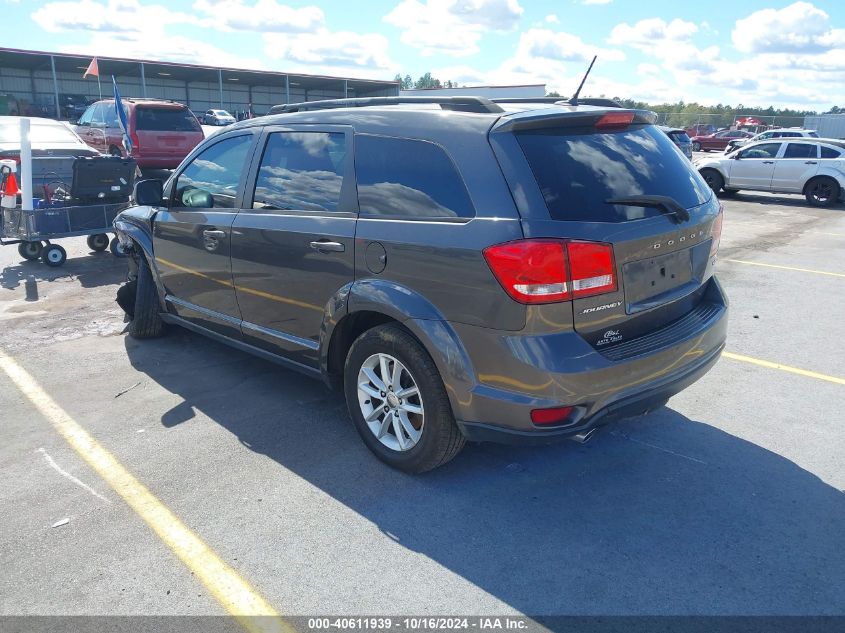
(577, 171)
(829, 152)
(152, 119)
(408, 178)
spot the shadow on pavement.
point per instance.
(660, 515)
(94, 269)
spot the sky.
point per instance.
(755, 52)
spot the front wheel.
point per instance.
(696, 146)
(143, 308)
(117, 248)
(822, 191)
(713, 179)
(54, 255)
(398, 402)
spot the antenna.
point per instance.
(573, 100)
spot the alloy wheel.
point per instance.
(390, 402)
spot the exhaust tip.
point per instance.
(584, 436)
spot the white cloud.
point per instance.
(646, 35)
(596, 1)
(552, 19)
(452, 27)
(261, 16)
(798, 28)
(561, 47)
(110, 16)
(332, 53)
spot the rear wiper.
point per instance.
(666, 204)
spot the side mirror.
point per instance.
(148, 192)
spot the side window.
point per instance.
(408, 178)
(764, 136)
(211, 179)
(801, 150)
(86, 117)
(110, 115)
(765, 150)
(829, 152)
(301, 171)
(98, 116)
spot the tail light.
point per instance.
(556, 415)
(136, 144)
(548, 271)
(716, 231)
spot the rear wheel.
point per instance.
(696, 146)
(713, 179)
(98, 242)
(30, 250)
(398, 402)
(822, 191)
(115, 151)
(144, 310)
(117, 248)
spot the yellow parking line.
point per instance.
(801, 270)
(224, 583)
(793, 370)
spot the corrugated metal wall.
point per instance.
(36, 88)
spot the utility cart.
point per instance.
(33, 230)
(98, 190)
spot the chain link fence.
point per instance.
(727, 120)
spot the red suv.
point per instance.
(718, 141)
(162, 132)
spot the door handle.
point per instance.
(327, 246)
(811, 162)
(768, 162)
(214, 235)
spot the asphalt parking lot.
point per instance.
(727, 501)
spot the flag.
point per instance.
(93, 69)
(121, 117)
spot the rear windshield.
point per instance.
(165, 120)
(39, 132)
(578, 171)
(680, 137)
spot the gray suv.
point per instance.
(462, 269)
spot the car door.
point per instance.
(753, 167)
(799, 163)
(293, 243)
(191, 237)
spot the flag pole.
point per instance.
(99, 88)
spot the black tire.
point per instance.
(98, 242)
(729, 192)
(116, 248)
(696, 146)
(144, 311)
(30, 250)
(53, 255)
(440, 440)
(713, 179)
(822, 191)
(115, 151)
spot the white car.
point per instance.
(813, 167)
(218, 117)
(790, 132)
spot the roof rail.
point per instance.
(459, 104)
(593, 101)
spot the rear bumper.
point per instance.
(158, 162)
(514, 375)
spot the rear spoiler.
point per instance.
(575, 118)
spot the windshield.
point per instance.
(578, 170)
(39, 132)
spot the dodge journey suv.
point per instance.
(462, 269)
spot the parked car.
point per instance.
(776, 133)
(700, 129)
(162, 132)
(356, 244)
(717, 141)
(49, 138)
(73, 106)
(680, 138)
(218, 117)
(813, 167)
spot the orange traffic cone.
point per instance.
(10, 192)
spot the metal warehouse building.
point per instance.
(35, 82)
